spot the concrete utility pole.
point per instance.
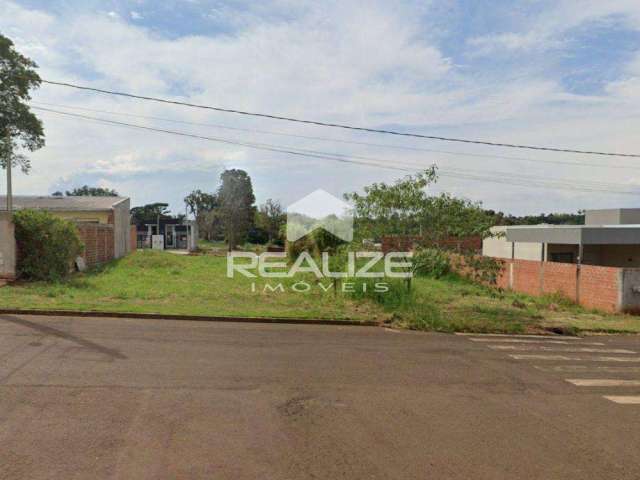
(9, 185)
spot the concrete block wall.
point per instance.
(7, 247)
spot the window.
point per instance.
(562, 257)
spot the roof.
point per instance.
(576, 234)
(91, 204)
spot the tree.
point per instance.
(237, 211)
(19, 127)
(405, 208)
(396, 208)
(203, 207)
(270, 218)
(149, 213)
(87, 191)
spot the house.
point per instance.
(608, 238)
(596, 264)
(176, 234)
(103, 222)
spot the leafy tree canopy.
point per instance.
(404, 207)
(19, 127)
(150, 213)
(87, 191)
(237, 210)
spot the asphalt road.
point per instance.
(147, 399)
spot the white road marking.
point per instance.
(517, 335)
(559, 349)
(522, 340)
(624, 399)
(575, 359)
(587, 368)
(603, 382)
(544, 357)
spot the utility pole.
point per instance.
(9, 186)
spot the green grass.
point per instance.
(161, 282)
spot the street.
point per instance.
(134, 399)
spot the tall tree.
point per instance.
(237, 211)
(270, 218)
(405, 208)
(149, 213)
(19, 127)
(87, 191)
(203, 207)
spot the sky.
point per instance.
(562, 73)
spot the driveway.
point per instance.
(137, 399)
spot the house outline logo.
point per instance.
(319, 209)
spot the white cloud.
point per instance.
(335, 62)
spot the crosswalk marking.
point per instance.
(587, 368)
(603, 382)
(517, 335)
(527, 341)
(575, 359)
(560, 349)
(624, 399)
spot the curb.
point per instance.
(192, 318)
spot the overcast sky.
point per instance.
(562, 73)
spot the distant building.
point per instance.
(103, 222)
(608, 238)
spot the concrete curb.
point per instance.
(192, 318)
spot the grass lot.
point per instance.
(158, 282)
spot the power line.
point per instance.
(338, 140)
(496, 177)
(339, 125)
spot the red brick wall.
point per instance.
(405, 243)
(526, 276)
(599, 286)
(560, 278)
(133, 238)
(98, 242)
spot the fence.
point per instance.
(405, 243)
(611, 289)
(98, 242)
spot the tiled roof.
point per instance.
(61, 203)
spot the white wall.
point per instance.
(498, 247)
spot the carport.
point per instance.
(605, 245)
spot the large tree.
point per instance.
(203, 206)
(405, 207)
(87, 191)
(149, 213)
(270, 218)
(237, 211)
(19, 127)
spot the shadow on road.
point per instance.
(111, 352)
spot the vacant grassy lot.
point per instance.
(158, 282)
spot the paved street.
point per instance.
(136, 399)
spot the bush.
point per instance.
(431, 262)
(47, 245)
(481, 269)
